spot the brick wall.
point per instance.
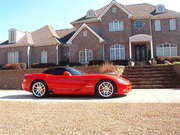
(22, 50)
(89, 42)
(177, 69)
(12, 79)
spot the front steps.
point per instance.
(151, 77)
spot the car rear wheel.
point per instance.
(105, 89)
(39, 89)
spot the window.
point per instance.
(13, 57)
(44, 57)
(90, 13)
(117, 52)
(116, 26)
(114, 10)
(85, 33)
(160, 9)
(60, 71)
(166, 49)
(74, 71)
(85, 56)
(157, 25)
(55, 71)
(172, 24)
(139, 24)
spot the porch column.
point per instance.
(152, 51)
(130, 50)
(28, 56)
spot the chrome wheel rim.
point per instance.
(106, 89)
(39, 89)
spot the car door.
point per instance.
(61, 84)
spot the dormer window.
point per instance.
(160, 9)
(15, 35)
(90, 13)
(12, 34)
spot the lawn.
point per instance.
(34, 118)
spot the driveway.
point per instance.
(136, 96)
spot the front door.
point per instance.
(140, 53)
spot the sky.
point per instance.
(29, 15)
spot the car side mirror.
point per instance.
(66, 73)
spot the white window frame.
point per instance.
(44, 57)
(172, 24)
(157, 25)
(116, 26)
(117, 52)
(85, 56)
(13, 57)
(165, 49)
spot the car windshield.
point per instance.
(74, 71)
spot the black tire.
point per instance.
(39, 89)
(108, 93)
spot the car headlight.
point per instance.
(122, 81)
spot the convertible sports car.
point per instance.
(67, 80)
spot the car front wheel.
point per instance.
(39, 89)
(105, 89)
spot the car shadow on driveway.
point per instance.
(56, 97)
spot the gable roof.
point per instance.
(135, 11)
(122, 7)
(80, 29)
(65, 34)
(45, 36)
(102, 11)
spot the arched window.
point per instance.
(44, 57)
(85, 56)
(166, 49)
(117, 52)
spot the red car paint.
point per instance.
(75, 84)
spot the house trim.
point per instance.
(80, 29)
(88, 20)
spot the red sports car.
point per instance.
(67, 80)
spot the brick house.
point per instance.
(114, 32)
(44, 45)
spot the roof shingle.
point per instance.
(139, 11)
